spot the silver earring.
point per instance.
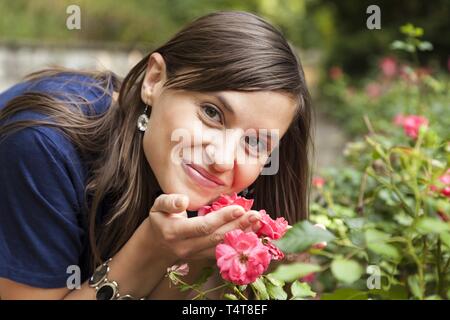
(143, 120)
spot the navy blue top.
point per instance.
(42, 182)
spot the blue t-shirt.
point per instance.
(43, 226)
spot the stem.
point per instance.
(208, 291)
(239, 293)
(419, 268)
(190, 287)
(361, 193)
(441, 279)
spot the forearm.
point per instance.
(137, 268)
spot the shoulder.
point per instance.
(41, 162)
(94, 91)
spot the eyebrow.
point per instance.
(224, 102)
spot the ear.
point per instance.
(154, 79)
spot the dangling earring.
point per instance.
(143, 120)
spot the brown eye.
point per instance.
(212, 113)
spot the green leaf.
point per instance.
(242, 287)
(184, 287)
(302, 236)
(398, 45)
(403, 219)
(230, 296)
(275, 292)
(413, 283)
(345, 294)
(301, 290)
(260, 289)
(294, 271)
(376, 242)
(395, 292)
(274, 281)
(445, 238)
(385, 249)
(425, 46)
(428, 225)
(347, 271)
(407, 29)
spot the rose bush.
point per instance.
(389, 206)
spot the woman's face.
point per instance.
(203, 144)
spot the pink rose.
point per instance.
(445, 179)
(318, 182)
(446, 191)
(274, 229)
(411, 124)
(274, 251)
(389, 67)
(242, 258)
(226, 200)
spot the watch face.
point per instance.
(98, 275)
(106, 292)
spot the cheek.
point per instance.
(245, 175)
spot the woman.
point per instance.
(88, 176)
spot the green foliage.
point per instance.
(347, 271)
(291, 272)
(302, 236)
(397, 213)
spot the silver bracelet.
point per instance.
(104, 288)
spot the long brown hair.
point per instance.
(227, 50)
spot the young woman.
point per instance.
(87, 170)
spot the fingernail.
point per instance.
(237, 213)
(179, 202)
(253, 218)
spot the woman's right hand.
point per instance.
(178, 237)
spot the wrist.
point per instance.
(149, 248)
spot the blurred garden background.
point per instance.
(381, 97)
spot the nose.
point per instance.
(221, 152)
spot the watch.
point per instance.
(106, 289)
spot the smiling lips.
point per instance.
(201, 176)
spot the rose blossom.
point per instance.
(274, 229)
(274, 251)
(318, 182)
(411, 124)
(226, 200)
(242, 258)
(444, 179)
(389, 67)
